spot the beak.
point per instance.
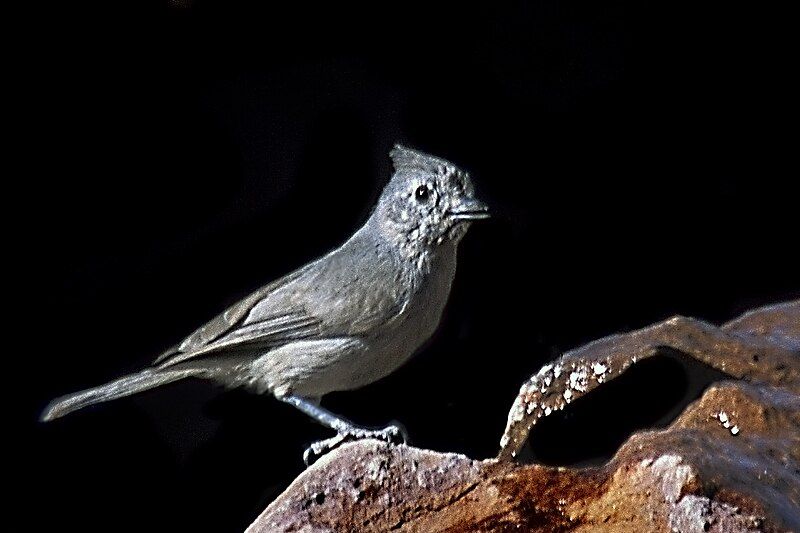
(469, 209)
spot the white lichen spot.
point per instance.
(599, 368)
(547, 411)
(578, 379)
(726, 421)
(556, 371)
(517, 412)
(531, 407)
(547, 381)
(568, 395)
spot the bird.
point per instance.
(342, 321)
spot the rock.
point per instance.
(730, 462)
(762, 346)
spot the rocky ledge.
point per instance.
(730, 462)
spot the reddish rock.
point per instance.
(730, 462)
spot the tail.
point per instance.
(124, 386)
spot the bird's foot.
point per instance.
(394, 434)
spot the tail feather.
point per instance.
(119, 388)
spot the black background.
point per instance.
(177, 156)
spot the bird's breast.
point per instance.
(418, 319)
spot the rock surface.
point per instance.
(730, 462)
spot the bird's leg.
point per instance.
(345, 429)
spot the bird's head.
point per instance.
(428, 201)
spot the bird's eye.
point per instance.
(422, 193)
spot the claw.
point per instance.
(394, 434)
(320, 448)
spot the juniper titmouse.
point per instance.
(340, 322)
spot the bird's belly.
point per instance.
(382, 359)
(314, 368)
(389, 351)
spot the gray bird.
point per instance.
(340, 322)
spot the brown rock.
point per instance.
(761, 346)
(730, 462)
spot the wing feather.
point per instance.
(223, 323)
(254, 337)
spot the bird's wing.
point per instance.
(254, 338)
(344, 294)
(284, 322)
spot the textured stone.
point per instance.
(730, 462)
